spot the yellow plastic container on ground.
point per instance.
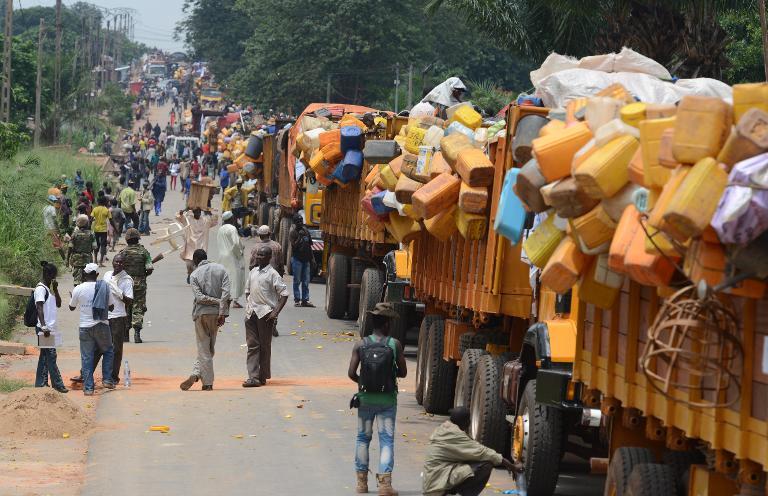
(564, 267)
(633, 113)
(467, 116)
(650, 142)
(414, 138)
(443, 225)
(606, 171)
(594, 292)
(471, 226)
(555, 152)
(747, 96)
(542, 242)
(594, 231)
(695, 201)
(702, 125)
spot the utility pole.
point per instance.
(39, 81)
(5, 102)
(410, 86)
(397, 85)
(103, 61)
(764, 29)
(57, 75)
(328, 90)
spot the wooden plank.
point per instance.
(13, 290)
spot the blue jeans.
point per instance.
(301, 274)
(144, 222)
(46, 365)
(158, 204)
(386, 427)
(93, 338)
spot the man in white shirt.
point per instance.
(47, 301)
(95, 301)
(196, 236)
(121, 287)
(265, 296)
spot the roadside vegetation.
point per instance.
(9, 384)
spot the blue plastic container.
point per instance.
(351, 138)
(458, 127)
(349, 168)
(510, 215)
(377, 202)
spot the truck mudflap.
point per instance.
(552, 388)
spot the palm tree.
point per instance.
(684, 36)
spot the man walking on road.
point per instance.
(82, 245)
(265, 296)
(301, 261)
(210, 286)
(456, 463)
(128, 204)
(196, 235)
(381, 361)
(95, 301)
(231, 254)
(138, 264)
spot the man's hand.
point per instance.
(272, 315)
(46, 333)
(220, 321)
(508, 465)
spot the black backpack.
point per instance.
(30, 313)
(377, 366)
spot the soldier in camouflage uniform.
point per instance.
(81, 247)
(138, 265)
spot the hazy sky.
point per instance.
(155, 19)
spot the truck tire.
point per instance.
(540, 448)
(651, 479)
(479, 341)
(370, 294)
(398, 326)
(623, 461)
(466, 377)
(336, 297)
(680, 462)
(488, 422)
(439, 374)
(465, 342)
(285, 229)
(421, 354)
(263, 216)
(357, 267)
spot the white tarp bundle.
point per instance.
(561, 79)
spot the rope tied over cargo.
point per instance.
(694, 354)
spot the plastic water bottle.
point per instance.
(127, 375)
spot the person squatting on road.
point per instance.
(456, 463)
(95, 301)
(47, 302)
(138, 265)
(381, 361)
(265, 297)
(210, 287)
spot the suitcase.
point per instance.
(474, 167)
(380, 151)
(512, 373)
(437, 195)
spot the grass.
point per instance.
(9, 385)
(24, 242)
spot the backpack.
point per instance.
(377, 366)
(30, 313)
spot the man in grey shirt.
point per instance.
(210, 285)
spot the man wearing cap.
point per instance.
(265, 297)
(373, 405)
(196, 234)
(82, 245)
(50, 222)
(95, 301)
(210, 287)
(231, 256)
(263, 232)
(138, 265)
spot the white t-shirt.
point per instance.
(82, 296)
(49, 306)
(124, 282)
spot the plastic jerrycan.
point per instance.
(628, 225)
(528, 186)
(437, 195)
(510, 213)
(468, 116)
(656, 217)
(443, 225)
(748, 138)
(564, 267)
(651, 130)
(471, 226)
(555, 151)
(747, 96)
(633, 113)
(542, 242)
(606, 171)
(702, 125)
(594, 292)
(694, 204)
(593, 230)
(601, 110)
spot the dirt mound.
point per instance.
(41, 413)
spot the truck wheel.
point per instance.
(357, 268)
(370, 294)
(624, 459)
(537, 442)
(479, 341)
(421, 354)
(651, 479)
(336, 297)
(465, 342)
(487, 414)
(439, 374)
(680, 462)
(263, 215)
(466, 377)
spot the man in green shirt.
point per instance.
(128, 204)
(373, 405)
